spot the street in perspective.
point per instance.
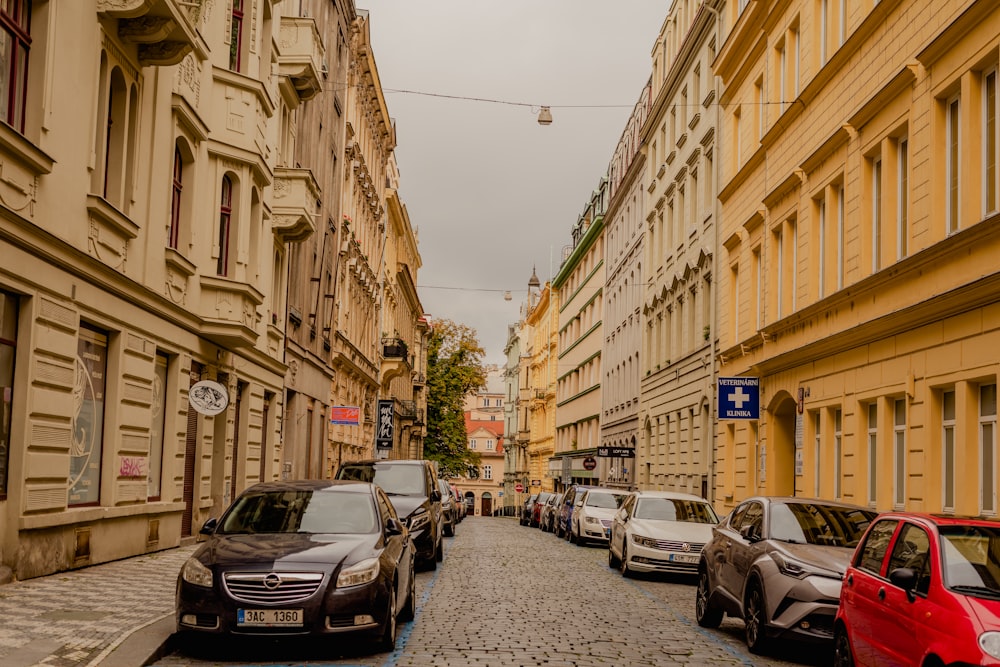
(509, 595)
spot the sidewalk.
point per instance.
(115, 614)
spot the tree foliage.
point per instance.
(454, 368)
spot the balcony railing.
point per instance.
(295, 195)
(407, 409)
(394, 348)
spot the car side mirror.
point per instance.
(209, 526)
(905, 578)
(393, 527)
(749, 533)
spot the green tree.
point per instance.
(454, 368)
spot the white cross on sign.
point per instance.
(739, 398)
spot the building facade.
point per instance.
(623, 292)
(538, 394)
(860, 200)
(141, 257)
(675, 449)
(579, 284)
(515, 449)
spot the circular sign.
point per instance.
(519, 488)
(208, 397)
(589, 463)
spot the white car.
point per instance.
(660, 531)
(591, 520)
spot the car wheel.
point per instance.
(755, 619)
(623, 566)
(387, 641)
(612, 559)
(572, 535)
(707, 615)
(842, 656)
(449, 530)
(439, 553)
(409, 611)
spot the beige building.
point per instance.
(515, 434)
(579, 285)
(483, 491)
(142, 255)
(538, 391)
(859, 238)
(675, 451)
(312, 185)
(624, 233)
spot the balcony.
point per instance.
(301, 55)
(164, 30)
(395, 362)
(293, 208)
(393, 348)
(228, 310)
(406, 409)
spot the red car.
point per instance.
(921, 590)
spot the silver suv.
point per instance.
(777, 563)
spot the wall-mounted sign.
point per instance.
(617, 452)
(384, 426)
(739, 398)
(208, 397)
(589, 463)
(345, 415)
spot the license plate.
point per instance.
(684, 558)
(269, 617)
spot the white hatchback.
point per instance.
(593, 513)
(660, 531)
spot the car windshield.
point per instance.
(816, 523)
(971, 559)
(395, 480)
(675, 509)
(300, 511)
(605, 500)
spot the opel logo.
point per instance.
(686, 547)
(272, 581)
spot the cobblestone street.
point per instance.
(508, 596)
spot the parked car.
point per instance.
(527, 508)
(777, 563)
(536, 509)
(548, 515)
(572, 497)
(591, 520)
(301, 557)
(449, 510)
(459, 504)
(660, 531)
(411, 485)
(922, 590)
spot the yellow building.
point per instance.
(859, 242)
(542, 320)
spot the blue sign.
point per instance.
(739, 398)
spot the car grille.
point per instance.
(272, 587)
(674, 545)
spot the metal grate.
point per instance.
(672, 545)
(272, 587)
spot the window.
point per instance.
(872, 454)
(839, 195)
(902, 198)
(818, 453)
(487, 472)
(225, 222)
(8, 346)
(757, 299)
(899, 451)
(821, 250)
(872, 552)
(876, 214)
(15, 23)
(236, 37)
(953, 157)
(87, 423)
(117, 128)
(824, 29)
(988, 448)
(490, 445)
(156, 430)
(736, 139)
(912, 549)
(838, 441)
(948, 450)
(734, 299)
(472, 443)
(175, 199)
(991, 139)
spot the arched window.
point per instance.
(225, 220)
(236, 37)
(175, 199)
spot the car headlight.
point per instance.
(791, 567)
(593, 519)
(990, 643)
(361, 572)
(419, 519)
(194, 572)
(643, 541)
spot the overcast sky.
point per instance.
(490, 192)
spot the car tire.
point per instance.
(439, 553)
(612, 559)
(572, 535)
(449, 530)
(755, 619)
(623, 566)
(842, 654)
(387, 640)
(707, 614)
(409, 610)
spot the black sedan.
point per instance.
(301, 558)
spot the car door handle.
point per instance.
(850, 580)
(881, 594)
